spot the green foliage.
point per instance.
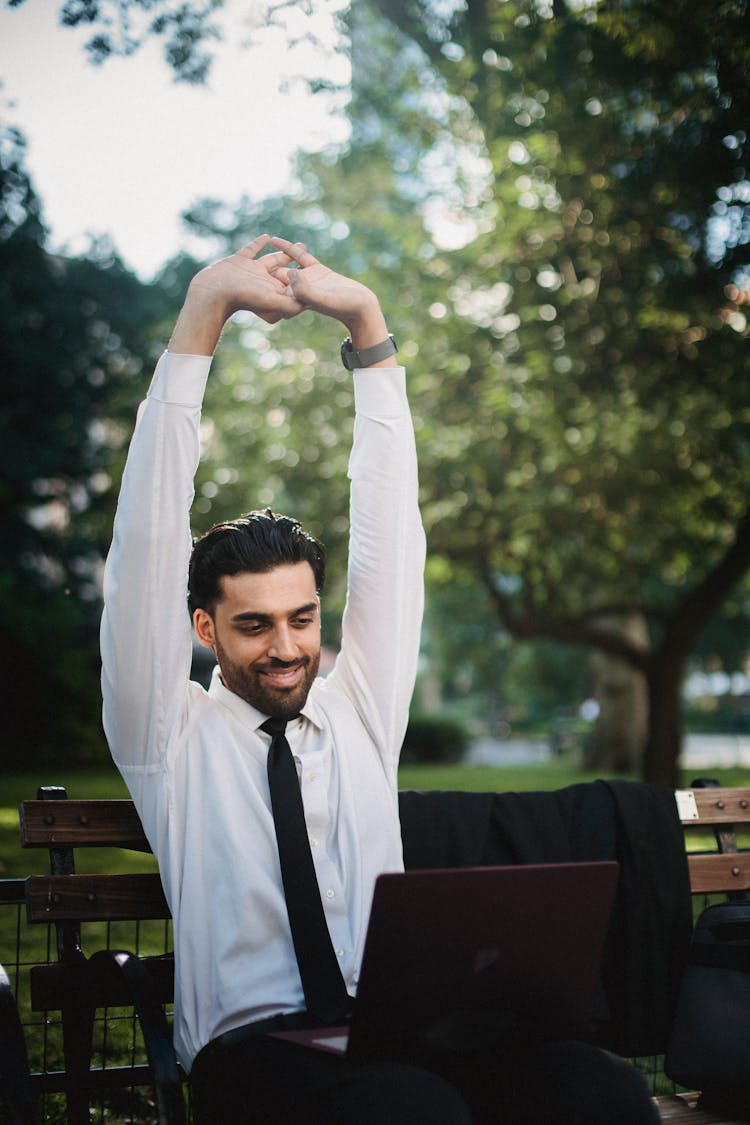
(75, 337)
(433, 739)
(545, 681)
(595, 455)
(120, 27)
(554, 211)
(552, 201)
(598, 351)
(49, 669)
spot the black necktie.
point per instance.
(325, 992)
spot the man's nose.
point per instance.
(283, 644)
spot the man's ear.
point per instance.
(203, 623)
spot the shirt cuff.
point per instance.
(380, 390)
(180, 379)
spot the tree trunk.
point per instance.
(661, 759)
(621, 730)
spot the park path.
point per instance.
(700, 751)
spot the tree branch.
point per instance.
(693, 613)
(571, 630)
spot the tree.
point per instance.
(119, 28)
(74, 334)
(598, 458)
(189, 30)
(589, 335)
(585, 447)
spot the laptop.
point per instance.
(468, 959)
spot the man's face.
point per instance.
(265, 631)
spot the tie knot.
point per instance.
(275, 725)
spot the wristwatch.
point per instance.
(367, 356)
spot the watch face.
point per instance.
(347, 352)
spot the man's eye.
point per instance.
(301, 622)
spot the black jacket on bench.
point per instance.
(634, 823)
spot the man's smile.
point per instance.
(283, 675)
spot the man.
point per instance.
(199, 764)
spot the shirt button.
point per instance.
(313, 842)
(329, 893)
(339, 953)
(313, 776)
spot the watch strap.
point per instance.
(366, 356)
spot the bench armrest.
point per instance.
(156, 1033)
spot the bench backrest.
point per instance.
(63, 825)
(724, 811)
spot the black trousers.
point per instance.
(247, 1077)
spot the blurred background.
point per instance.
(552, 199)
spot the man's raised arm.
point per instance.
(383, 616)
(145, 635)
(146, 638)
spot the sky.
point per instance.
(123, 150)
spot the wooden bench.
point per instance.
(75, 984)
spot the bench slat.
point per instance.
(720, 806)
(94, 898)
(101, 1079)
(82, 824)
(77, 984)
(681, 1109)
(715, 873)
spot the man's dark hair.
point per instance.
(256, 542)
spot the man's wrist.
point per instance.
(366, 327)
(367, 331)
(199, 324)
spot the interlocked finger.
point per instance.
(275, 261)
(295, 251)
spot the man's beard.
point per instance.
(248, 683)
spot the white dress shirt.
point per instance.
(195, 762)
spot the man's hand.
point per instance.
(241, 281)
(274, 286)
(316, 287)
